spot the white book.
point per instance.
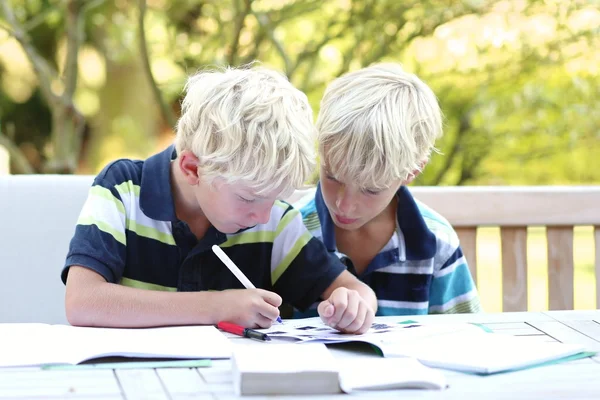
(270, 369)
(462, 347)
(31, 344)
(311, 369)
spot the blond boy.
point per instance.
(376, 131)
(141, 254)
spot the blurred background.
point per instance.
(86, 82)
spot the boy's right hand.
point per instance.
(250, 308)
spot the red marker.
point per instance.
(241, 331)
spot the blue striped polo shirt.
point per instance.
(128, 232)
(421, 270)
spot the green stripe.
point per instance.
(104, 227)
(482, 327)
(128, 188)
(281, 204)
(313, 226)
(285, 221)
(99, 191)
(290, 256)
(312, 221)
(145, 285)
(471, 306)
(250, 237)
(151, 233)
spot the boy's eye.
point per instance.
(245, 200)
(373, 192)
(331, 178)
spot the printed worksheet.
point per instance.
(314, 330)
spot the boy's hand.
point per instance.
(346, 311)
(250, 308)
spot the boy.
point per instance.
(376, 130)
(141, 254)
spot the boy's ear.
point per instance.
(188, 165)
(415, 173)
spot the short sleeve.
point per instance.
(99, 242)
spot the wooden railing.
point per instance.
(513, 209)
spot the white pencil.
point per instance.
(235, 270)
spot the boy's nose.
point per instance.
(345, 203)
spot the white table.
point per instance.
(573, 380)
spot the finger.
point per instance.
(351, 312)
(339, 299)
(270, 297)
(369, 318)
(268, 311)
(263, 322)
(325, 310)
(357, 325)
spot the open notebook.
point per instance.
(461, 347)
(41, 344)
(281, 369)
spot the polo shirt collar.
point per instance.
(156, 197)
(419, 242)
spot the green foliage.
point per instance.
(518, 81)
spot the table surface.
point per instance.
(578, 379)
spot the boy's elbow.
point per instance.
(75, 310)
(81, 296)
(79, 309)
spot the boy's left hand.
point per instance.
(346, 311)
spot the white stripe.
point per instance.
(407, 269)
(286, 240)
(403, 304)
(134, 213)
(450, 268)
(463, 298)
(101, 209)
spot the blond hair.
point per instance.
(249, 125)
(377, 125)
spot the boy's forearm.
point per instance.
(116, 306)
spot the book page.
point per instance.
(387, 374)
(484, 354)
(314, 330)
(28, 345)
(165, 342)
(39, 344)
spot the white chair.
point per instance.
(37, 220)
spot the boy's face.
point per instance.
(351, 206)
(231, 207)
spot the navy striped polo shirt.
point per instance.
(128, 232)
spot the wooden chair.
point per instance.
(513, 209)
